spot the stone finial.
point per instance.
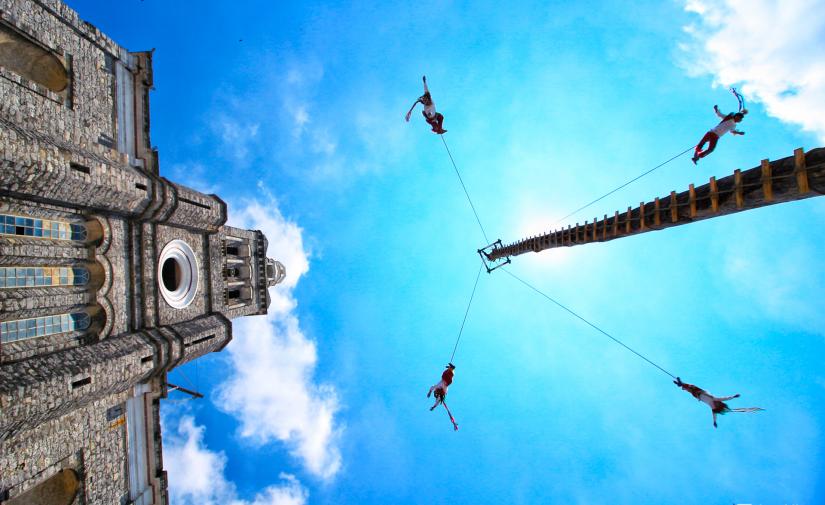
(275, 272)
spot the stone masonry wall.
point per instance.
(63, 381)
(203, 335)
(195, 210)
(85, 440)
(41, 139)
(89, 113)
(115, 295)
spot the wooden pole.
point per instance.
(692, 199)
(800, 169)
(656, 219)
(737, 188)
(604, 228)
(627, 223)
(783, 180)
(767, 180)
(641, 216)
(674, 208)
(714, 195)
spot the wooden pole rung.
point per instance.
(737, 187)
(627, 223)
(767, 181)
(595, 227)
(584, 231)
(801, 171)
(714, 195)
(641, 215)
(657, 220)
(604, 228)
(616, 224)
(674, 208)
(692, 197)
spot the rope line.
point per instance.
(587, 322)
(480, 267)
(660, 165)
(465, 189)
(189, 382)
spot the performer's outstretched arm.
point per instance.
(726, 398)
(426, 90)
(407, 117)
(716, 110)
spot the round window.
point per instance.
(178, 274)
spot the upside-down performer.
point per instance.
(440, 391)
(727, 124)
(433, 118)
(717, 404)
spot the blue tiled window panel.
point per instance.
(18, 277)
(41, 228)
(12, 331)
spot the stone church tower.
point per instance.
(110, 274)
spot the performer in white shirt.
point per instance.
(717, 404)
(728, 124)
(433, 118)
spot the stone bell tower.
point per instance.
(110, 274)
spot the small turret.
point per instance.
(275, 272)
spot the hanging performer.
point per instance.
(433, 118)
(727, 124)
(717, 404)
(440, 391)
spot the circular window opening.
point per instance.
(178, 274)
(171, 274)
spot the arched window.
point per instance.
(41, 228)
(21, 329)
(59, 489)
(31, 61)
(17, 277)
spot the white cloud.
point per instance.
(771, 48)
(237, 138)
(196, 474)
(195, 176)
(290, 120)
(300, 118)
(271, 389)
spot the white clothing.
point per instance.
(429, 110)
(441, 385)
(708, 398)
(724, 127)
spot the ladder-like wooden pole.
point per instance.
(793, 178)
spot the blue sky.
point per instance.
(294, 114)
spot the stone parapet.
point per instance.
(35, 166)
(193, 210)
(44, 387)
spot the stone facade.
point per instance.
(156, 275)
